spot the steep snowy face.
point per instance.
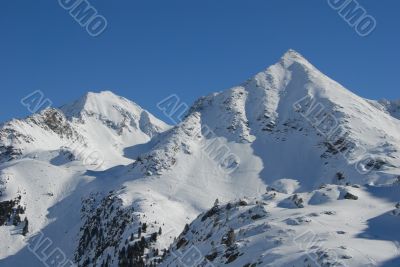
(293, 115)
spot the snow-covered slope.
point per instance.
(328, 228)
(289, 127)
(392, 107)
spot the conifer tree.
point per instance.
(25, 230)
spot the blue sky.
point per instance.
(152, 49)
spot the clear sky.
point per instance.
(152, 49)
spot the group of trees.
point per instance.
(133, 255)
(142, 229)
(230, 238)
(10, 211)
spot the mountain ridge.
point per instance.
(290, 138)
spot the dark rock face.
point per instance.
(350, 196)
(8, 153)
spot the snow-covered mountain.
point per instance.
(287, 151)
(45, 157)
(99, 122)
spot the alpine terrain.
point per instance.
(287, 169)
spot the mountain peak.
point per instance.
(292, 53)
(113, 110)
(292, 56)
(101, 94)
(103, 103)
